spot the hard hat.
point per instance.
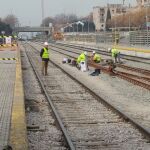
(93, 52)
(85, 53)
(109, 49)
(46, 43)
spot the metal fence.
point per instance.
(140, 37)
(122, 38)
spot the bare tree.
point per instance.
(63, 18)
(11, 20)
(137, 19)
(60, 20)
(47, 21)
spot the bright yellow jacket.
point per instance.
(82, 57)
(114, 52)
(97, 58)
(45, 53)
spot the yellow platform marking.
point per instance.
(18, 135)
(132, 49)
(8, 58)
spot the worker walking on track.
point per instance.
(97, 59)
(82, 61)
(45, 58)
(115, 55)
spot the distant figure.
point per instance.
(82, 61)
(97, 59)
(115, 55)
(45, 58)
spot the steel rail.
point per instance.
(126, 57)
(143, 71)
(134, 76)
(139, 70)
(65, 133)
(132, 80)
(108, 71)
(144, 130)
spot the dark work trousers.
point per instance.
(44, 67)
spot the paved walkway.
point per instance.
(7, 83)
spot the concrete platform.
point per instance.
(10, 77)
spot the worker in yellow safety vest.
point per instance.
(115, 55)
(97, 59)
(82, 59)
(45, 58)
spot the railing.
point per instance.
(140, 37)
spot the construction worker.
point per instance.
(115, 55)
(45, 58)
(82, 60)
(97, 59)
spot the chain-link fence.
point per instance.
(121, 38)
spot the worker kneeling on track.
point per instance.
(82, 61)
(97, 59)
(45, 58)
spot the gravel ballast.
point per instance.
(43, 134)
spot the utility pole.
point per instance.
(42, 8)
(123, 2)
(129, 18)
(147, 18)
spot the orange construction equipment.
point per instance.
(57, 36)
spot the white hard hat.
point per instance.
(46, 43)
(85, 53)
(93, 52)
(109, 49)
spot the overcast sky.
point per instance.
(29, 11)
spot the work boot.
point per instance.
(92, 74)
(97, 72)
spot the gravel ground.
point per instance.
(47, 136)
(86, 119)
(132, 99)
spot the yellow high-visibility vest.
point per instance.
(45, 53)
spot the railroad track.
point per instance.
(139, 70)
(106, 53)
(36, 128)
(140, 80)
(143, 71)
(90, 122)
